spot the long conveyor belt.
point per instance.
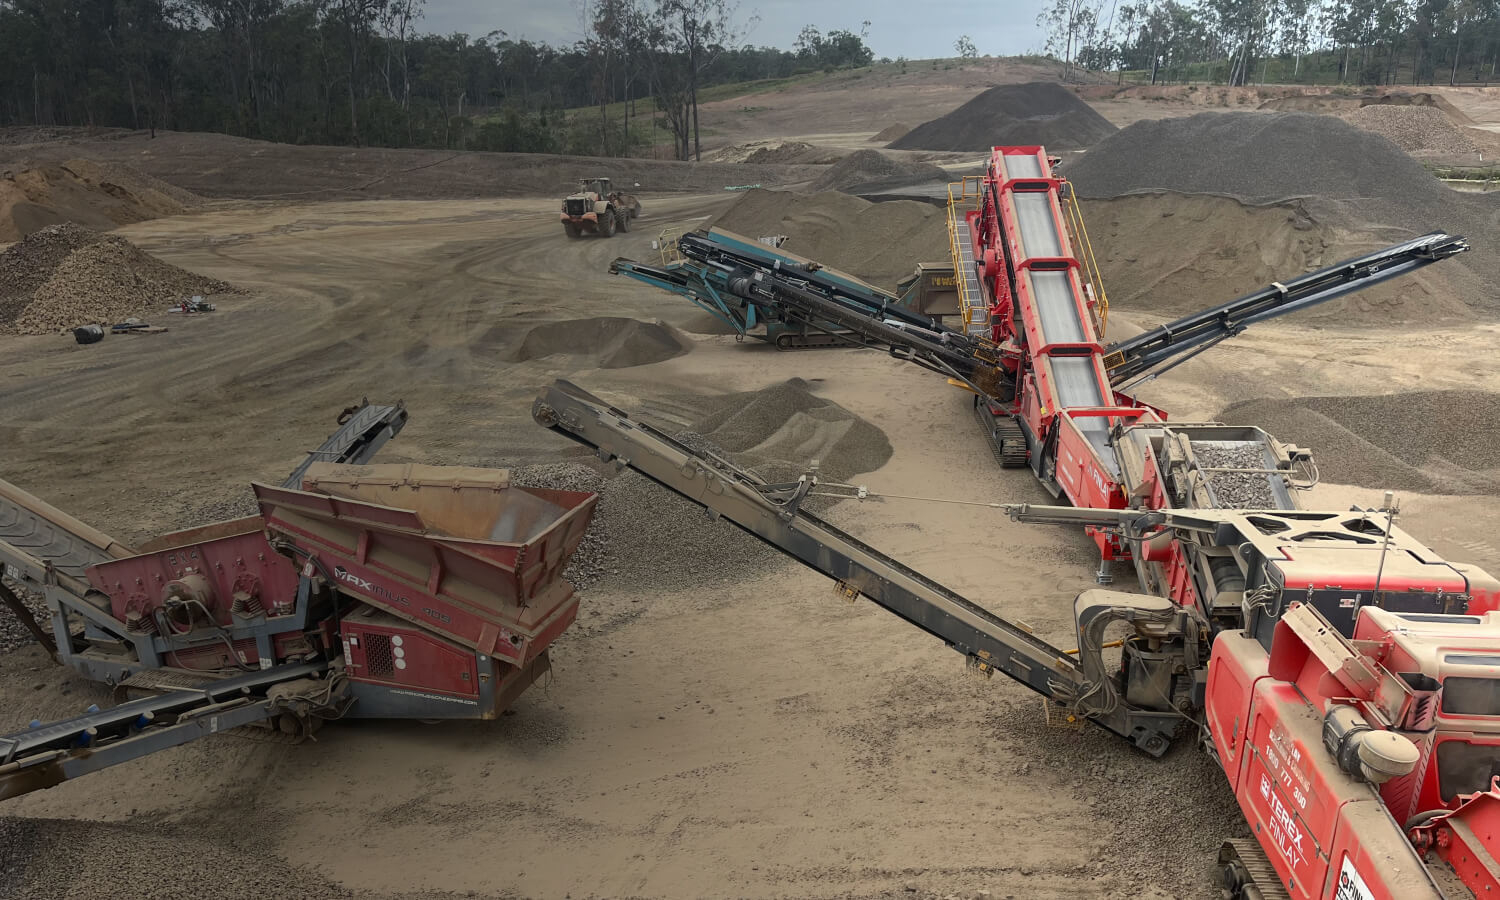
(773, 513)
(46, 755)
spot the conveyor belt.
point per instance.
(34, 533)
(1053, 291)
(1039, 237)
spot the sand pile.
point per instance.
(1430, 441)
(757, 153)
(1416, 129)
(1167, 255)
(878, 242)
(891, 133)
(1038, 113)
(97, 195)
(873, 169)
(64, 276)
(605, 342)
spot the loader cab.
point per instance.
(599, 186)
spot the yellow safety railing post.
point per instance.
(1090, 265)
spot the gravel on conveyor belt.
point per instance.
(1237, 490)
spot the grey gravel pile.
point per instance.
(788, 426)
(1038, 113)
(1237, 490)
(64, 276)
(1413, 128)
(871, 168)
(1184, 788)
(1348, 178)
(26, 265)
(56, 859)
(1258, 158)
(1429, 441)
(589, 562)
(13, 634)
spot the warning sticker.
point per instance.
(1351, 886)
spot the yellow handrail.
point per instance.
(1091, 267)
(958, 205)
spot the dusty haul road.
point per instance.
(711, 728)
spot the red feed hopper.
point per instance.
(457, 551)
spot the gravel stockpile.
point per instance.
(590, 562)
(1039, 113)
(1413, 128)
(1111, 777)
(871, 168)
(27, 265)
(788, 426)
(13, 634)
(1236, 490)
(1356, 187)
(644, 534)
(1257, 158)
(891, 132)
(1432, 441)
(607, 342)
(64, 276)
(879, 242)
(64, 859)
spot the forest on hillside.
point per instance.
(366, 72)
(1237, 42)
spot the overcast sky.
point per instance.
(909, 28)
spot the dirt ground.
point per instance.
(750, 738)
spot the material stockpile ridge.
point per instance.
(1439, 442)
(93, 194)
(64, 276)
(1360, 189)
(1023, 114)
(1257, 158)
(1416, 129)
(871, 168)
(878, 242)
(891, 132)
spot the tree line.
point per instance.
(1237, 42)
(364, 72)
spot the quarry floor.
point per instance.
(764, 739)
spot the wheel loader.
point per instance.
(597, 208)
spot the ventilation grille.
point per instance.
(378, 660)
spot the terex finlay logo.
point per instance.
(369, 587)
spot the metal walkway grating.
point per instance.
(971, 298)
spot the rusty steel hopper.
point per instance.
(456, 551)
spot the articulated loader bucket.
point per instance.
(459, 551)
